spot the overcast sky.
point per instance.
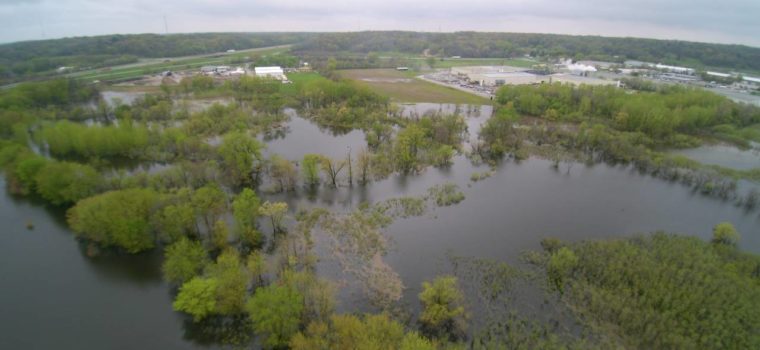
(725, 21)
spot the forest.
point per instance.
(38, 58)
(473, 44)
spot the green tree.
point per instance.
(442, 311)
(344, 332)
(408, 144)
(318, 294)
(197, 297)
(26, 172)
(276, 212)
(116, 218)
(276, 314)
(256, 266)
(283, 173)
(414, 341)
(175, 221)
(561, 264)
(310, 169)
(245, 208)
(239, 152)
(64, 182)
(725, 233)
(221, 235)
(209, 202)
(232, 282)
(183, 260)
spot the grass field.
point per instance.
(459, 62)
(404, 87)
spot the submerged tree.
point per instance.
(183, 260)
(239, 152)
(725, 233)
(332, 168)
(561, 264)
(232, 282)
(283, 173)
(443, 314)
(352, 332)
(276, 314)
(310, 169)
(276, 212)
(245, 210)
(197, 297)
(116, 218)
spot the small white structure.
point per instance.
(402, 68)
(270, 72)
(237, 71)
(674, 69)
(230, 50)
(579, 68)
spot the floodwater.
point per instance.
(54, 296)
(725, 156)
(115, 98)
(300, 137)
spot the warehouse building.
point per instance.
(270, 72)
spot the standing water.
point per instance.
(54, 296)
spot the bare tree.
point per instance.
(332, 168)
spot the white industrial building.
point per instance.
(507, 78)
(466, 71)
(490, 76)
(752, 80)
(674, 69)
(270, 72)
(718, 74)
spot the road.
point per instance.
(177, 60)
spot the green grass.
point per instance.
(448, 63)
(299, 79)
(404, 87)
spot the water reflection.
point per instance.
(119, 302)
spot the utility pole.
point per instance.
(166, 26)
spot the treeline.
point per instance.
(53, 93)
(660, 115)
(473, 44)
(26, 58)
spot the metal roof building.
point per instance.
(270, 72)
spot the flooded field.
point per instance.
(120, 302)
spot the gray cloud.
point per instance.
(730, 21)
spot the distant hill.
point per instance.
(30, 59)
(475, 44)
